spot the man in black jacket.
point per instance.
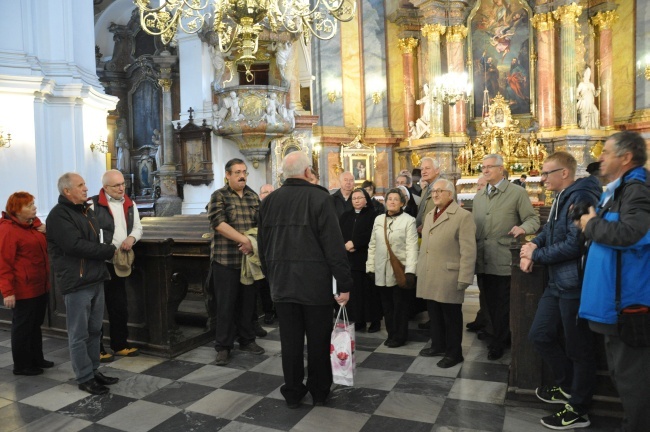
(559, 247)
(342, 201)
(120, 222)
(77, 257)
(301, 248)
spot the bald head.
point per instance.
(295, 165)
(346, 180)
(265, 190)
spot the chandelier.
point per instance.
(5, 140)
(452, 87)
(238, 23)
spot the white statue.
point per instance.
(123, 154)
(155, 139)
(282, 56)
(271, 108)
(586, 95)
(231, 103)
(289, 114)
(413, 131)
(219, 65)
(422, 124)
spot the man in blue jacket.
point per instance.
(558, 247)
(620, 230)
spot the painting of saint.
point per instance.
(500, 48)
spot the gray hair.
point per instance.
(65, 182)
(406, 175)
(108, 173)
(434, 162)
(294, 164)
(449, 186)
(628, 141)
(499, 158)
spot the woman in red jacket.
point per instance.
(24, 281)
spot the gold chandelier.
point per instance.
(452, 87)
(238, 23)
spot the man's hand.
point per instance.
(516, 231)
(342, 298)
(349, 246)
(527, 250)
(246, 247)
(420, 229)
(587, 217)
(10, 301)
(127, 244)
(526, 265)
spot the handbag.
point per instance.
(633, 321)
(342, 348)
(395, 263)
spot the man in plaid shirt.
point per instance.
(232, 211)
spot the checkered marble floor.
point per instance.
(395, 390)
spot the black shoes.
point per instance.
(424, 325)
(448, 362)
(44, 364)
(495, 353)
(93, 387)
(394, 344)
(104, 380)
(252, 348)
(431, 352)
(269, 318)
(31, 371)
(259, 331)
(223, 358)
(473, 327)
(375, 326)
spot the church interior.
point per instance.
(168, 96)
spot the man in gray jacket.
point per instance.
(501, 211)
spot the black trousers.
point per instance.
(482, 316)
(263, 293)
(26, 337)
(235, 305)
(446, 328)
(296, 321)
(396, 301)
(365, 302)
(497, 298)
(118, 311)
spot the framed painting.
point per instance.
(360, 159)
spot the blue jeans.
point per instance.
(84, 314)
(574, 364)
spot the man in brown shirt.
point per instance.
(232, 211)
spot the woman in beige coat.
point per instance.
(403, 239)
(445, 270)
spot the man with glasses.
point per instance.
(342, 201)
(233, 211)
(559, 248)
(501, 211)
(120, 224)
(430, 171)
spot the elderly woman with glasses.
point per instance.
(397, 229)
(445, 269)
(24, 281)
(356, 226)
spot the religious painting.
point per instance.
(500, 45)
(359, 158)
(359, 168)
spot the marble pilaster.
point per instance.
(169, 202)
(568, 17)
(456, 63)
(603, 22)
(546, 112)
(407, 46)
(433, 32)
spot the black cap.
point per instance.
(593, 168)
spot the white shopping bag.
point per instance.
(342, 350)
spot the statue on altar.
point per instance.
(219, 64)
(282, 57)
(422, 124)
(586, 95)
(123, 153)
(155, 139)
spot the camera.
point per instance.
(578, 210)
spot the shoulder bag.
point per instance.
(395, 263)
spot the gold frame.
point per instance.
(355, 151)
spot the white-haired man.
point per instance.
(342, 201)
(301, 247)
(430, 171)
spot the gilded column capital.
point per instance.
(165, 83)
(407, 45)
(568, 15)
(604, 20)
(543, 21)
(433, 31)
(456, 33)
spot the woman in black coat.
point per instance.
(356, 225)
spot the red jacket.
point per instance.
(24, 266)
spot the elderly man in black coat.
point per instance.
(301, 248)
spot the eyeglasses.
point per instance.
(546, 173)
(119, 185)
(439, 191)
(238, 173)
(487, 167)
(358, 198)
